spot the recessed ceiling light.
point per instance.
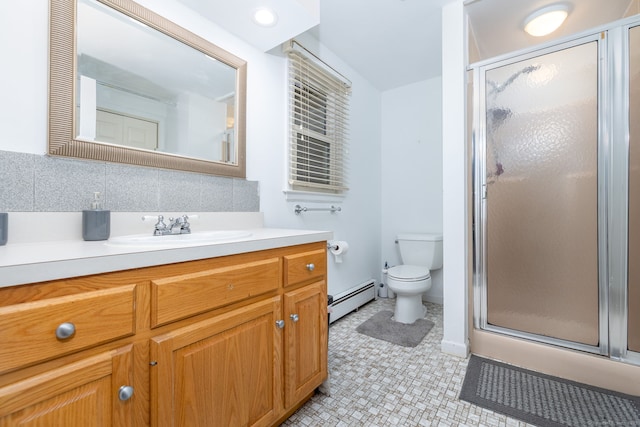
(546, 20)
(265, 17)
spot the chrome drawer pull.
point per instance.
(294, 317)
(280, 324)
(125, 392)
(311, 267)
(65, 330)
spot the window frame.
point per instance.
(318, 124)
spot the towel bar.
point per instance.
(298, 209)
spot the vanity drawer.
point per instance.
(29, 330)
(177, 297)
(304, 266)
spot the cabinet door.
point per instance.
(224, 371)
(81, 394)
(305, 312)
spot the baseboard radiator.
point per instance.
(351, 299)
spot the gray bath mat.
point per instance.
(381, 326)
(544, 400)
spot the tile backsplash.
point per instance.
(33, 183)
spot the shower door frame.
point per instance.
(619, 81)
(612, 164)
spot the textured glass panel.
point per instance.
(633, 338)
(541, 162)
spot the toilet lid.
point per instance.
(409, 272)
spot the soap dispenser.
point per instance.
(96, 222)
(4, 228)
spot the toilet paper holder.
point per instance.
(337, 248)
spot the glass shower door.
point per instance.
(540, 196)
(633, 281)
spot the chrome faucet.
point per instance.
(179, 225)
(160, 228)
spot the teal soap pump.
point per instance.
(96, 222)
(4, 228)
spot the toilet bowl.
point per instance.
(421, 253)
(409, 282)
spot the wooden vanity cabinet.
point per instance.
(34, 331)
(239, 340)
(255, 364)
(41, 323)
(223, 371)
(83, 393)
(305, 314)
(305, 349)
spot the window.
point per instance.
(318, 108)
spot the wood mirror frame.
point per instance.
(62, 94)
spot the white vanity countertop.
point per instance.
(37, 262)
(29, 262)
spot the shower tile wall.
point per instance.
(33, 183)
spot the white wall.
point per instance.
(359, 221)
(23, 79)
(23, 118)
(412, 167)
(455, 208)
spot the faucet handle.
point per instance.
(152, 218)
(160, 225)
(186, 218)
(185, 226)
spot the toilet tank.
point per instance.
(421, 249)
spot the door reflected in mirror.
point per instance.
(157, 94)
(144, 91)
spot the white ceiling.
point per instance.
(498, 24)
(236, 16)
(389, 42)
(392, 43)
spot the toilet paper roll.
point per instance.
(338, 248)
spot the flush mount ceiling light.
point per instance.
(265, 17)
(546, 20)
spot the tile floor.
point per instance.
(375, 383)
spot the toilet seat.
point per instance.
(408, 273)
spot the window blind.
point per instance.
(319, 118)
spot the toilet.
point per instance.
(420, 254)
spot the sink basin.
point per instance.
(174, 240)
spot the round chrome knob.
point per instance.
(311, 267)
(295, 317)
(125, 392)
(65, 330)
(280, 324)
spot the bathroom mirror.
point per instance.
(129, 86)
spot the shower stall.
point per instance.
(556, 149)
